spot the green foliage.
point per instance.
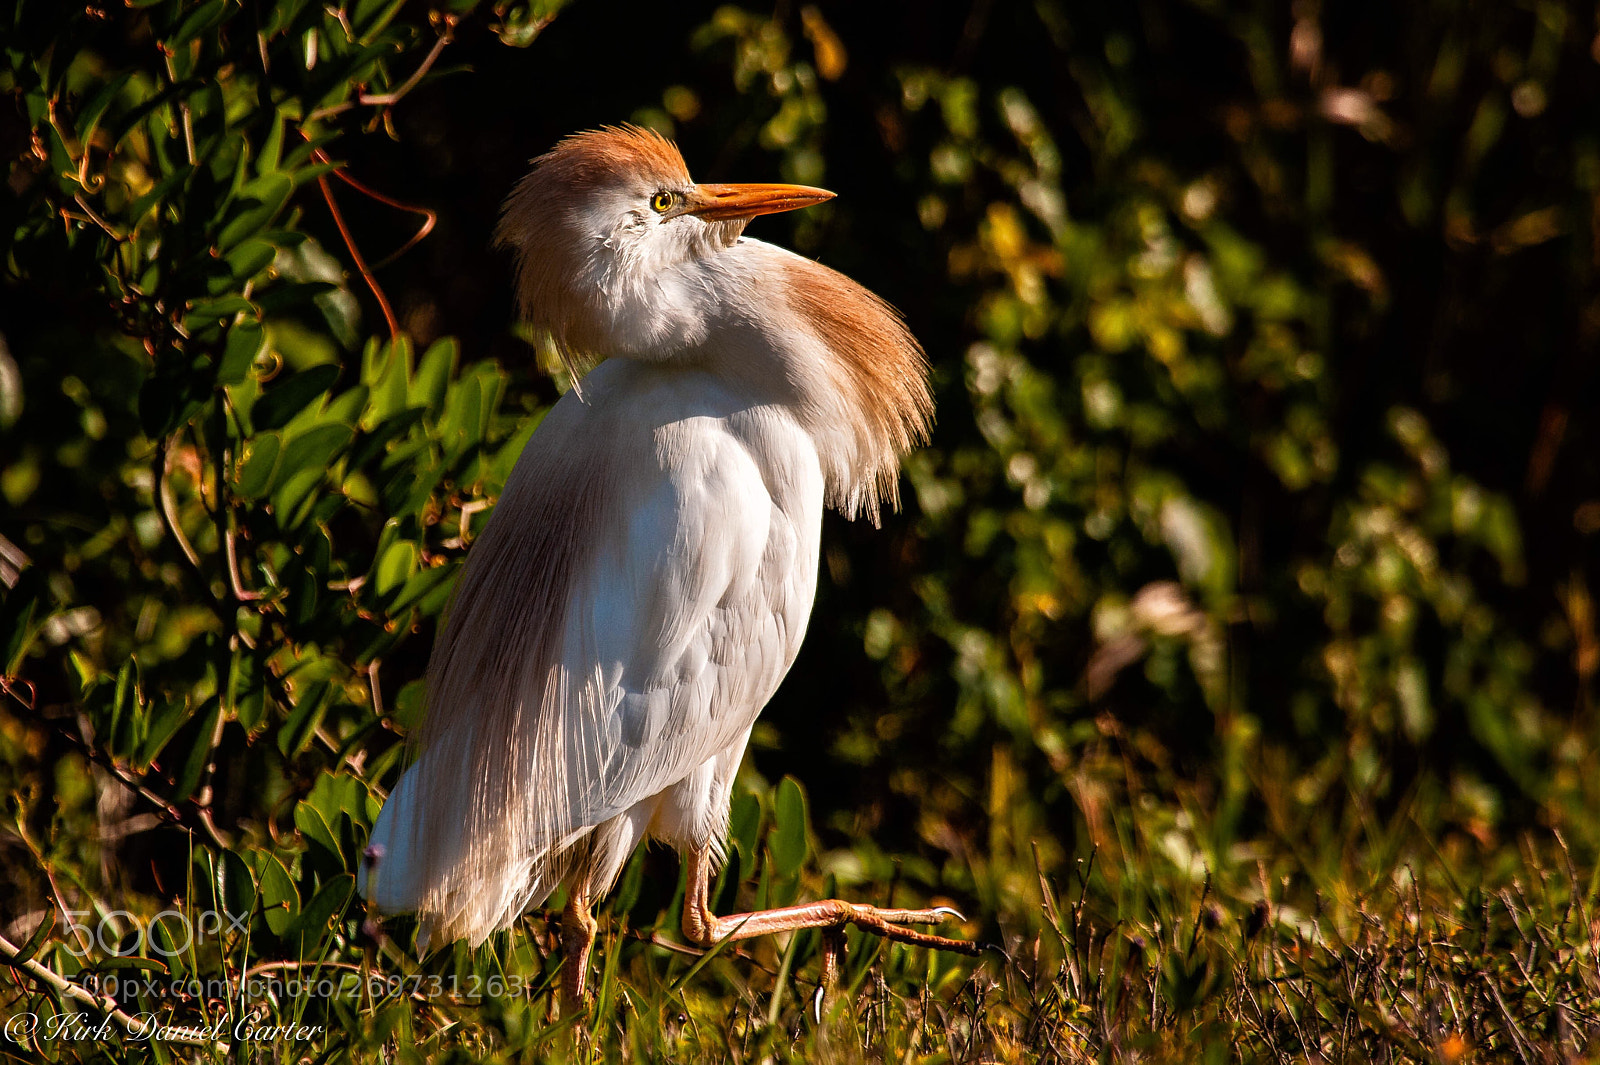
(1234, 664)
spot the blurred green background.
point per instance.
(1252, 553)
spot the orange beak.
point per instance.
(717, 203)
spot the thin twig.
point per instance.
(87, 181)
(9, 685)
(202, 797)
(430, 218)
(165, 809)
(387, 99)
(183, 110)
(235, 581)
(95, 217)
(169, 505)
(355, 253)
(375, 687)
(13, 560)
(49, 875)
(222, 518)
(1518, 1040)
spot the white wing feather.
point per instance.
(679, 622)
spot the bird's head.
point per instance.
(607, 229)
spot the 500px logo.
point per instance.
(81, 939)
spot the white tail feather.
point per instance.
(401, 873)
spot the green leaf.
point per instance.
(288, 398)
(433, 376)
(386, 369)
(199, 754)
(201, 19)
(247, 697)
(293, 492)
(259, 463)
(396, 566)
(319, 913)
(409, 704)
(304, 175)
(386, 536)
(313, 449)
(314, 827)
(279, 898)
(127, 724)
(420, 585)
(787, 841)
(272, 148)
(249, 259)
(35, 941)
(126, 695)
(85, 669)
(373, 15)
(165, 721)
(209, 313)
(346, 407)
(133, 117)
(246, 341)
(281, 16)
(89, 117)
(131, 961)
(161, 940)
(374, 443)
(524, 22)
(296, 733)
(380, 640)
(505, 460)
(744, 825)
(281, 299)
(158, 192)
(22, 614)
(462, 423)
(236, 888)
(259, 202)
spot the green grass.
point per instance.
(1333, 936)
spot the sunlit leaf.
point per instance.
(286, 398)
(788, 841)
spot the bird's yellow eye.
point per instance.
(662, 202)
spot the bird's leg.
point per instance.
(577, 936)
(833, 951)
(704, 928)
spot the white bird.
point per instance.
(646, 578)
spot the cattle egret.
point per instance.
(645, 580)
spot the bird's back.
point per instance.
(640, 591)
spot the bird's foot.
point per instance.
(704, 929)
(891, 925)
(936, 915)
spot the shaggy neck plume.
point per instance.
(860, 378)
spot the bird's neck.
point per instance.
(790, 332)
